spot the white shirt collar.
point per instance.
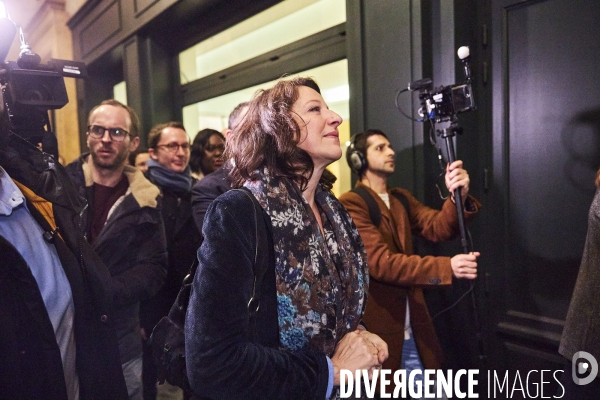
(10, 195)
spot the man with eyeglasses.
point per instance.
(168, 168)
(124, 225)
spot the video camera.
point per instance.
(443, 103)
(29, 89)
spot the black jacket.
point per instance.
(183, 240)
(228, 356)
(206, 190)
(132, 244)
(30, 360)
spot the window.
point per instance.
(120, 92)
(249, 53)
(280, 25)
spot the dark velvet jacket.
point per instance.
(132, 244)
(206, 190)
(30, 360)
(229, 354)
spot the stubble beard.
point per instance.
(117, 163)
(384, 172)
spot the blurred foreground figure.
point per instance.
(57, 336)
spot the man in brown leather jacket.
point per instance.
(396, 309)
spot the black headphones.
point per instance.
(355, 158)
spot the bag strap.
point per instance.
(374, 211)
(261, 255)
(402, 198)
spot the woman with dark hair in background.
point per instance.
(314, 290)
(207, 149)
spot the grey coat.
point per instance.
(582, 326)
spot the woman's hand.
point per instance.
(382, 347)
(358, 350)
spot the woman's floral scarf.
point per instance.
(321, 281)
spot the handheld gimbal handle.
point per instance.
(448, 134)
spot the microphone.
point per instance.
(425, 83)
(27, 58)
(465, 55)
(8, 31)
(50, 235)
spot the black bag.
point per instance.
(168, 340)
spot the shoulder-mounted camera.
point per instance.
(29, 89)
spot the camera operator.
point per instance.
(396, 309)
(57, 339)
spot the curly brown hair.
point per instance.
(268, 138)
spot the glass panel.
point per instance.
(333, 81)
(551, 127)
(275, 27)
(120, 92)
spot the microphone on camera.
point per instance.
(465, 56)
(425, 83)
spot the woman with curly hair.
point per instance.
(307, 327)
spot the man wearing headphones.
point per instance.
(385, 218)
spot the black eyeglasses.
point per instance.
(212, 147)
(116, 134)
(173, 147)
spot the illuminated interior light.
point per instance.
(336, 94)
